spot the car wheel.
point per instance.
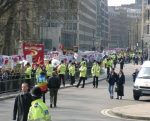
(136, 97)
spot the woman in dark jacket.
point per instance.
(120, 85)
(112, 78)
(53, 84)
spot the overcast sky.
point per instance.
(119, 2)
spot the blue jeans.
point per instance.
(111, 90)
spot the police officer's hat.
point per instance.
(28, 64)
(36, 92)
(42, 73)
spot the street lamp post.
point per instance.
(129, 38)
(142, 25)
(93, 40)
(142, 46)
(137, 30)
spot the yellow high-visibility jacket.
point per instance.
(38, 111)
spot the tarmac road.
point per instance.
(84, 104)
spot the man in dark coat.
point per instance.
(22, 104)
(121, 63)
(53, 85)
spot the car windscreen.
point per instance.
(144, 73)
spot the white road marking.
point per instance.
(105, 112)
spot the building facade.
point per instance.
(118, 28)
(138, 3)
(77, 21)
(86, 30)
(146, 25)
(134, 26)
(146, 20)
(125, 25)
(102, 23)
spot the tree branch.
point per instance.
(5, 5)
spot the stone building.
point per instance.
(118, 28)
(78, 22)
(102, 23)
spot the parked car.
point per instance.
(142, 82)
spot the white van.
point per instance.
(142, 82)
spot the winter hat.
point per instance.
(36, 92)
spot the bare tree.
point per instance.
(19, 19)
(5, 5)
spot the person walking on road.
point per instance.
(53, 85)
(62, 71)
(120, 85)
(95, 73)
(38, 110)
(22, 104)
(28, 73)
(121, 63)
(83, 72)
(134, 75)
(42, 83)
(112, 79)
(72, 71)
(49, 69)
(38, 71)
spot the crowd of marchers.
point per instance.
(31, 104)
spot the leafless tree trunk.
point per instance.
(20, 21)
(6, 5)
(7, 48)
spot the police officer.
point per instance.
(83, 72)
(82, 61)
(62, 71)
(38, 71)
(28, 72)
(95, 73)
(72, 73)
(49, 69)
(38, 110)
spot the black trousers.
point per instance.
(81, 79)
(62, 78)
(53, 96)
(108, 72)
(121, 66)
(95, 81)
(72, 80)
(43, 95)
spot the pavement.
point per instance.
(138, 112)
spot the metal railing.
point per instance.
(12, 83)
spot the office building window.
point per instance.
(148, 2)
(74, 26)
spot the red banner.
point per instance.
(35, 50)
